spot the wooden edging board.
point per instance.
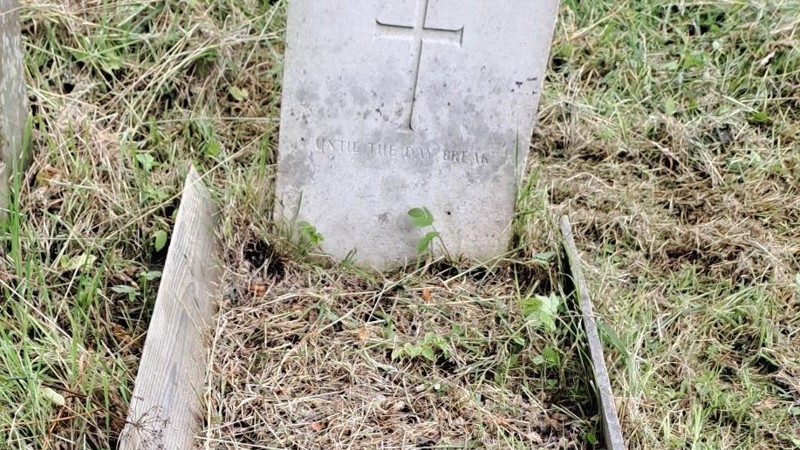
(13, 101)
(165, 406)
(611, 427)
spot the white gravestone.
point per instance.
(390, 105)
(12, 95)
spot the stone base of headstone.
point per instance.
(13, 105)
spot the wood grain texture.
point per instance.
(611, 427)
(13, 101)
(165, 407)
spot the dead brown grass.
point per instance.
(306, 357)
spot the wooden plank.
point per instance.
(165, 407)
(611, 427)
(13, 101)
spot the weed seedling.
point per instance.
(310, 238)
(423, 218)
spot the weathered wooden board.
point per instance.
(165, 406)
(611, 427)
(13, 105)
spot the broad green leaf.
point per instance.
(551, 356)
(427, 353)
(531, 305)
(160, 240)
(518, 340)
(124, 289)
(542, 310)
(421, 217)
(151, 275)
(424, 243)
(397, 353)
(309, 234)
(439, 341)
(412, 350)
(146, 160)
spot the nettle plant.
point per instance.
(541, 312)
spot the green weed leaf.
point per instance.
(424, 243)
(412, 350)
(151, 275)
(397, 353)
(421, 217)
(309, 235)
(213, 148)
(759, 117)
(542, 311)
(427, 353)
(146, 160)
(544, 258)
(159, 240)
(124, 289)
(551, 356)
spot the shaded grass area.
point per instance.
(669, 131)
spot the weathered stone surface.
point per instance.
(13, 110)
(394, 104)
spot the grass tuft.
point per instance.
(668, 131)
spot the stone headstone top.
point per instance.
(401, 104)
(13, 111)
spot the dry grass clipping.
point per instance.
(306, 358)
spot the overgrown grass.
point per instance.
(669, 131)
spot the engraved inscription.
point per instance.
(382, 150)
(418, 34)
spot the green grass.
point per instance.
(670, 132)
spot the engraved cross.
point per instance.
(419, 34)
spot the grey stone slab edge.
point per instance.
(611, 427)
(13, 102)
